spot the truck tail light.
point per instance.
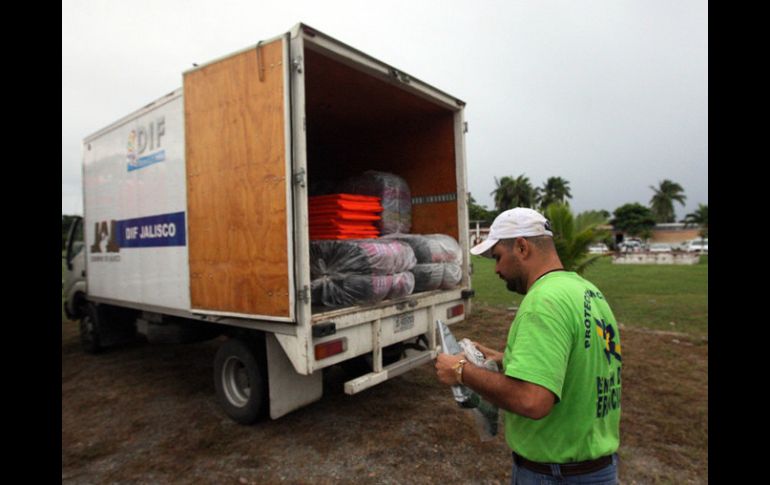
(330, 348)
(455, 311)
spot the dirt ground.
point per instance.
(148, 414)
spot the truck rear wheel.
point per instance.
(240, 381)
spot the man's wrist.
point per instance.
(458, 368)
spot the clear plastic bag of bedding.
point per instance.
(439, 260)
(336, 291)
(432, 276)
(360, 256)
(396, 198)
(355, 272)
(484, 413)
(431, 248)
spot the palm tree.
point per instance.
(512, 193)
(503, 193)
(699, 218)
(555, 189)
(662, 203)
(572, 236)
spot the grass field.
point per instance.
(660, 297)
(664, 424)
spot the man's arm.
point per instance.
(514, 395)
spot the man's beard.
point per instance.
(517, 285)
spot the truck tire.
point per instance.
(239, 378)
(90, 330)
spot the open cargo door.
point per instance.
(238, 189)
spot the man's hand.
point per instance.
(444, 372)
(490, 353)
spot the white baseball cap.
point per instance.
(513, 223)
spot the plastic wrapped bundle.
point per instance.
(453, 274)
(403, 285)
(365, 256)
(352, 289)
(432, 276)
(431, 248)
(439, 259)
(394, 194)
(345, 273)
(428, 277)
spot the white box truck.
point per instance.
(196, 217)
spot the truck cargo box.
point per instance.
(197, 204)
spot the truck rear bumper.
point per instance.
(371, 379)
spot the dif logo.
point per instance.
(105, 237)
(144, 145)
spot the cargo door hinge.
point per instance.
(303, 295)
(296, 63)
(299, 178)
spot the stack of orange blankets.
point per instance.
(344, 216)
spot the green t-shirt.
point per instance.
(565, 338)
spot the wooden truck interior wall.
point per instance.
(356, 122)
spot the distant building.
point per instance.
(673, 233)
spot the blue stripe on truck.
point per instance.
(153, 231)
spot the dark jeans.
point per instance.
(606, 476)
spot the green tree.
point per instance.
(633, 219)
(555, 189)
(518, 192)
(478, 212)
(592, 218)
(662, 203)
(699, 218)
(572, 236)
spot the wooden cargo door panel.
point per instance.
(237, 188)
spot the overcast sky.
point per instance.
(611, 95)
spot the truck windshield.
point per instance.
(75, 243)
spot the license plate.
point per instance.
(404, 322)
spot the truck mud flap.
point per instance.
(371, 379)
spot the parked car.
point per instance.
(660, 248)
(598, 248)
(698, 246)
(630, 246)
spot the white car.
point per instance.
(630, 246)
(598, 248)
(660, 248)
(698, 246)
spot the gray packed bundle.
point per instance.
(360, 271)
(395, 198)
(439, 260)
(428, 277)
(343, 290)
(432, 276)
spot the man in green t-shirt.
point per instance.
(561, 368)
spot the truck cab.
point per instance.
(74, 283)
